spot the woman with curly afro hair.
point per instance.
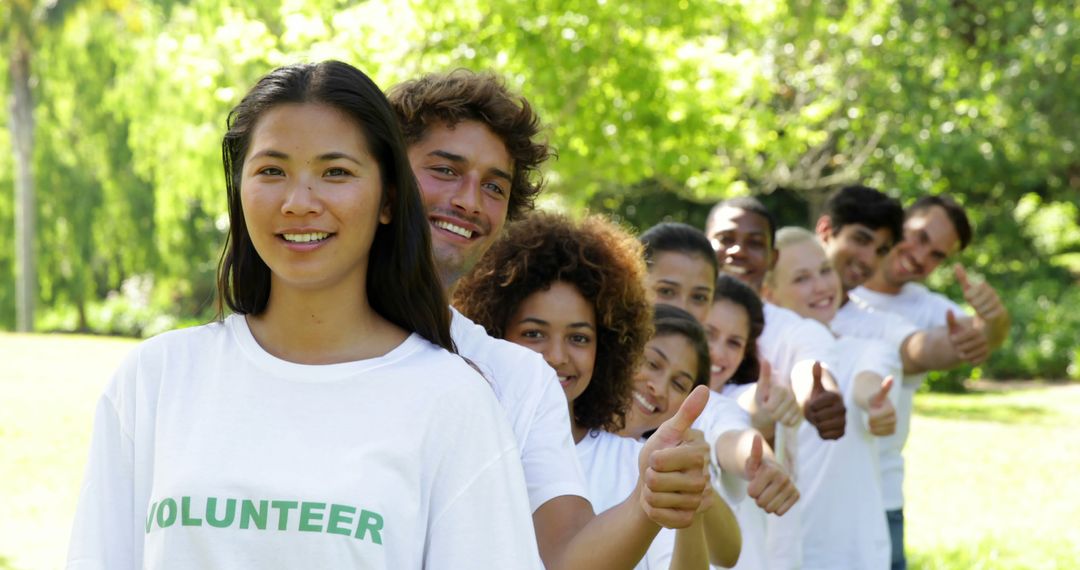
(575, 292)
(591, 275)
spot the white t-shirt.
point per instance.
(924, 309)
(789, 342)
(843, 519)
(856, 319)
(208, 452)
(535, 404)
(721, 415)
(610, 463)
(751, 519)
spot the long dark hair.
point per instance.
(402, 283)
(730, 289)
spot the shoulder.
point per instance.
(499, 360)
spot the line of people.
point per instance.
(588, 400)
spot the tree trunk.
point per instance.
(22, 137)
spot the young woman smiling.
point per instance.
(843, 526)
(322, 423)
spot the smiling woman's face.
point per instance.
(805, 282)
(560, 324)
(662, 383)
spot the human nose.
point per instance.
(468, 194)
(554, 354)
(301, 199)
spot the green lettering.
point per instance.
(249, 514)
(185, 513)
(308, 516)
(283, 508)
(339, 514)
(163, 520)
(211, 512)
(150, 517)
(370, 521)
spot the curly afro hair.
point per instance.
(604, 263)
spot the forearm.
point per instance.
(867, 384)
(690, 551)
(732, 449)
(759, 418)
(723, 538)
(615, 539)
(998, 330)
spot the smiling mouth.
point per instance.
(909, 266)
(644, 403)
(825, 303)
(305, 237)
(565, 381)
(735, 269)
(453, 228)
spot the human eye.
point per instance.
(270, 171)
(580, 339)
(800, 278)
(337, 171)
(681, 385)
(700, 298)
(495, 189)
(665, 292)
(444, 171)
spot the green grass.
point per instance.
(990, 475)
(991, 480)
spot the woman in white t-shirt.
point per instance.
(732, 328)
(842, 523)
(573, 291)
(325, 423)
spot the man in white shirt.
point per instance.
(858, 228)
(473, 149)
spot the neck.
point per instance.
(323, 327)
(577, 431)
(844, 298)
(878, 283)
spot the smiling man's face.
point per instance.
(464, 173)
(743, 244)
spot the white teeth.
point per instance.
(716, 369)
(453, 228)
(305, 238)
(645, 403)
(734, 269)
(907, 265)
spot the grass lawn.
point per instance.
(990, 475)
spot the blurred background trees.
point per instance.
(658, 109)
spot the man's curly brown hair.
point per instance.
(605, 264)
(461, 95)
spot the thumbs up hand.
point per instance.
(824, 409)
(967, 339)
(980, 295)
(770, 486)
(674, 466)
(777, 401)
(882, 414)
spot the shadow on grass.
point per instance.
(998, 412)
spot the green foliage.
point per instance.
(658, 109)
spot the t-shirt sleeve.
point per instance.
(105, 534)
(549, 457)
(810, 341)
(480, 512)
(721, 415)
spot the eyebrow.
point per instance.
(457, 158)
(542, 322)
(325, 157)
(660, 352)
(669, 282)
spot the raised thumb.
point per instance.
(818, 386)
(950, 319)
(764, 383)
(961, 276)
(753, 463)
(879, 399)
(670, 433)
